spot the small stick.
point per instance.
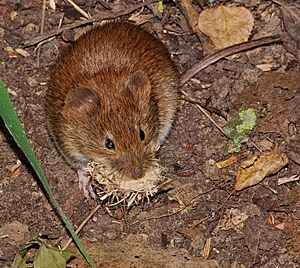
(104, 4)
(4, 236)
(206, 249)
(226, 199)
(225, 52)
(82, 225)
(207, 115)
(82, 12)
(41, 32)
(202, 104)
(43, 42)
(195, 224)
(97, 17)
(288, 179)
(43, 16)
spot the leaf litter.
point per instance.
(253, 170)
(226, 26)
(43, 257)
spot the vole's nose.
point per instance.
(133, 167)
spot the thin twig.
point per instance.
(41, 32)
(195, 224)
(226, 199)
(206, 249)
(81, 11)
(288, 179)
(225, 53)
(43, 42)
(43, 16)
(82, 225)
(202, 104)
(207, 115)
(96, 18)
(104, 4)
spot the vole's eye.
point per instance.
(109, 144)
(142, 135)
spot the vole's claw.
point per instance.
(85, 185)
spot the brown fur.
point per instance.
(112, 82)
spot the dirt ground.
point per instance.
(182, 227)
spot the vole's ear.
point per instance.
(139, 85)
(83, 100)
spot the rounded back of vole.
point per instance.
(112, 97)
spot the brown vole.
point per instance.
(112, 96)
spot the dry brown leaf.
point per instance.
(16, 169)
(265, 67)
(291, 18)
(227, 162)
(140, 18)
(226, 26)
(280, 226)
(232, 160)
(256, 168)
(290, 11)
(233, 219)
(190, 13)
(11, 53)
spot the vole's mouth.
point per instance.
(115, 189)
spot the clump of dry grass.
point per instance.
(115, 190)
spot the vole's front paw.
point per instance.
(85, 184)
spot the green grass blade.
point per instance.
(13, 125)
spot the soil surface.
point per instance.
(192, 224)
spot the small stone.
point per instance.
(110, 234)
(30, 28)
(32, 82)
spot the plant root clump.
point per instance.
(117, 190)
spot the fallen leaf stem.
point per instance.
(225, 52)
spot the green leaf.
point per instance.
(67, 255)
(13, 125)
(48, 258)
(19, 262)
(239, 128)
(160, 7)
